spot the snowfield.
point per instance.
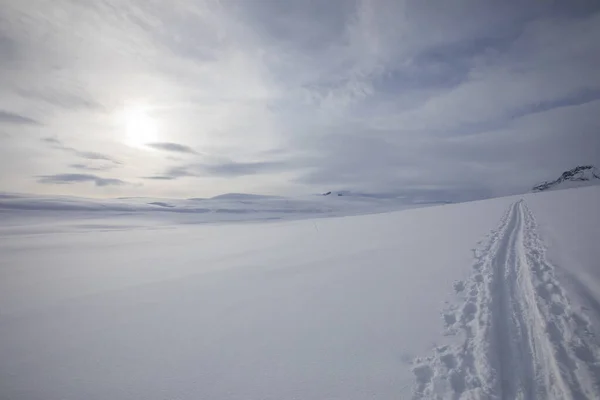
(495, 299)
(522, 338)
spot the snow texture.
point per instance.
(522, 338)
(496, 299)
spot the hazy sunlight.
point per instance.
(140, 127)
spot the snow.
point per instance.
(522, 337)
(581, 176)
(576, 184)
(75, 213)
(473, 300)
(570, 227)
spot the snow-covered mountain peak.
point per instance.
(582, 175)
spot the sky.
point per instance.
(454, 100)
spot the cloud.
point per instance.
(13, 118)
(223, 169)
(236, 169)
(53, 141)
(372, 95)
(547, 64)
(62, 179)
(173, 173)
(89, 155)
(76, 100)
(581, 97)
(86, 167)
(173, 147)
(160, 177)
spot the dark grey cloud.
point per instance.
(172, 147)
(62, 179)
(17, 119)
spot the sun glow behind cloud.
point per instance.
(296, 97)
(139, 127)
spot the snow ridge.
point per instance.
(522, 339)
(581, 174)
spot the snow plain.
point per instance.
(495, 299)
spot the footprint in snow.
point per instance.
(459, 286)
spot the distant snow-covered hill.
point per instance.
(69, 211)
(583, 175)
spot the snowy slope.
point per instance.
(478, 300)
(581, 176)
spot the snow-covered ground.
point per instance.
(29, 213)
(496, 299)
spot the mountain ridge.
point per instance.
(578, 176)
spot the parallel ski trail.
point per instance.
(522, 340)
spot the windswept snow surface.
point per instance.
(496, 299)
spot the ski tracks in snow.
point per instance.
(522, 339)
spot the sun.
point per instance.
(140, 127)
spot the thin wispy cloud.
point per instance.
(300, 97)
(8, 117)
(89, 155)
(161, 177)
(64, 179)
(172, 147)
(86, 167)
(222, 169)
(53, 141)
(172, 173)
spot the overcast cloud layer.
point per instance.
(461, 99)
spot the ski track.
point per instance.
(522, 338)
